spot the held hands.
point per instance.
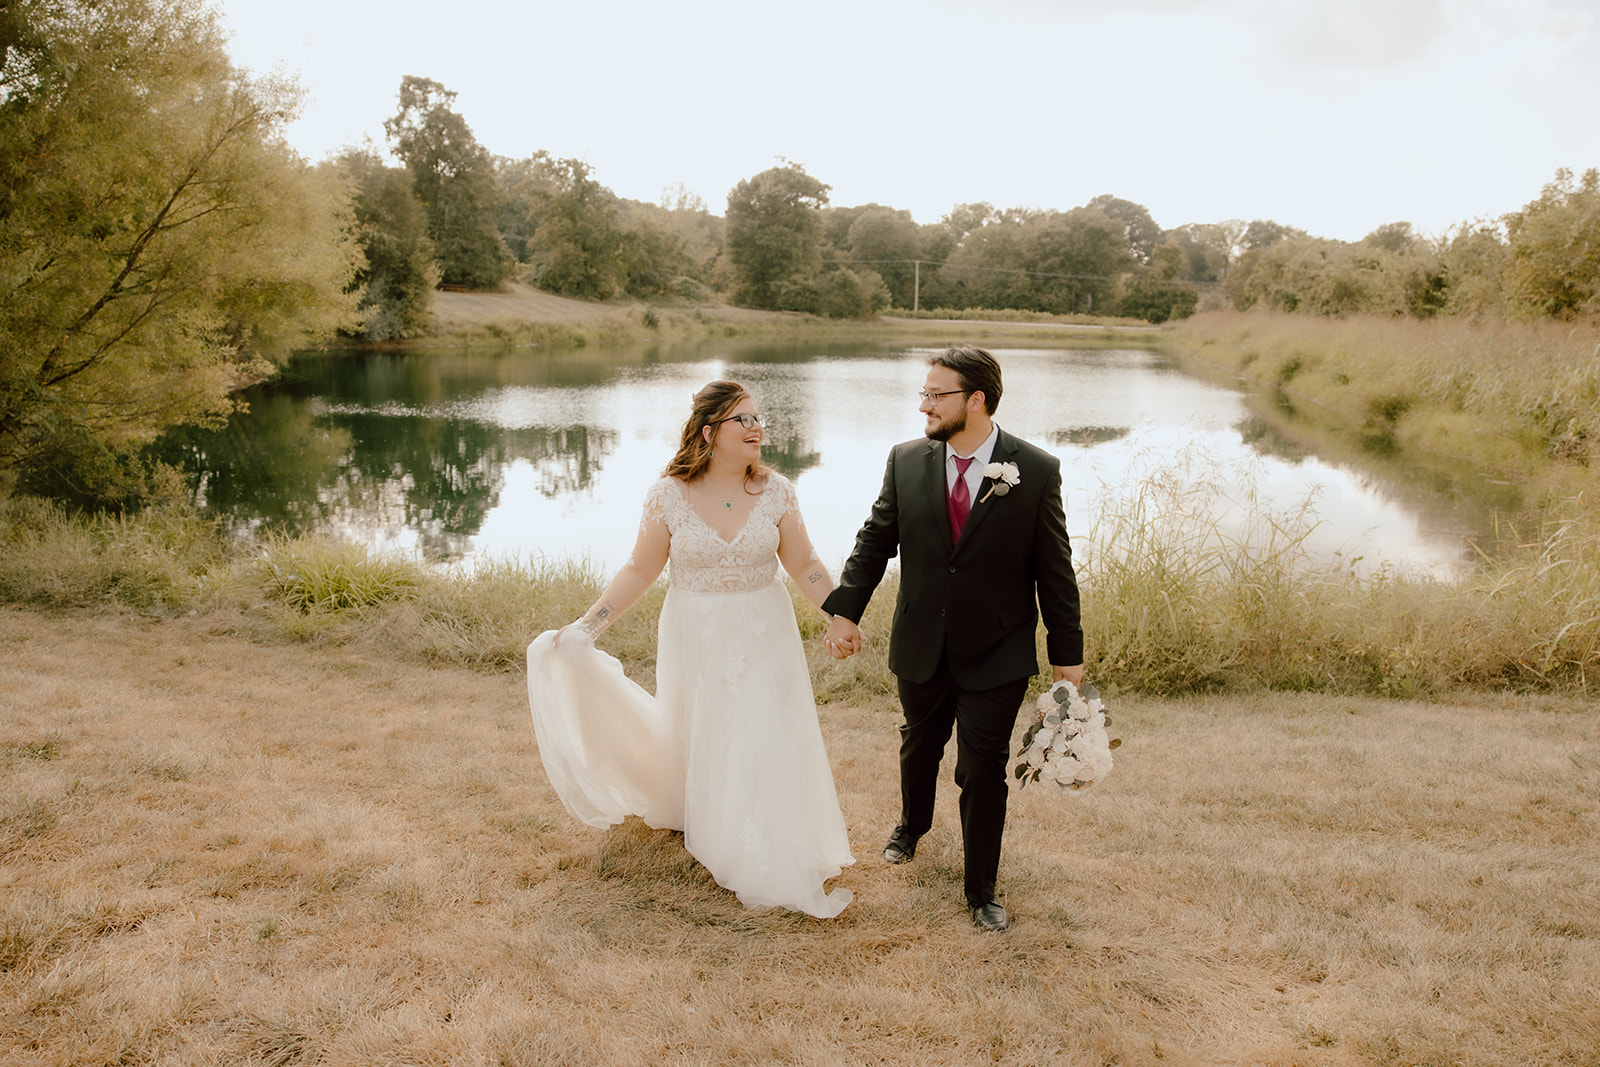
(843, 639)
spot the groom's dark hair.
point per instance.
(977, 369)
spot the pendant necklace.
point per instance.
(727, 504)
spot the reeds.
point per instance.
(1184, 591)
(1521, 398)
(162, 560)
(1178, 600)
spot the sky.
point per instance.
(1332, 116)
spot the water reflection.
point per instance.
(1087, 436)
(514, 454)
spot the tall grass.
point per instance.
(160, 561)
(1521, 398)
(1176, 599)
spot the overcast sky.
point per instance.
(1334, 117)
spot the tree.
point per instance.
(699, 233)
(1394, 237)
(886, 241)
(1264, 233)
(1555, 250)
(398, 276)
(159, 243)
(1156, 300)
(774, 234)
(453, 178)
(1089, 248)
(577, 246)
(1473, 259)
(1138, 228)
(584, 241)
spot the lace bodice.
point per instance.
(701, 561)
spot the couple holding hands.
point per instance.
(729, 750)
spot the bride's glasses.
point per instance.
(749, 422)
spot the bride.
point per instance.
(728, 750)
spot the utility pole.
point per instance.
(916, 285)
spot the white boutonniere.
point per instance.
(1005, 475)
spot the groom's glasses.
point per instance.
(749, 422)
(933, 398)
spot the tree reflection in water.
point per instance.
(283, 468)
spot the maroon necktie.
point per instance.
(960, 499)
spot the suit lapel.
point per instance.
(1004, 450)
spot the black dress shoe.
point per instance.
(991, 917)
(901, 847)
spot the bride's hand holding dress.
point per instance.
(729, 750)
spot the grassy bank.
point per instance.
(1173, 603)
(522, 317)
(222, 850)
(1519, 399)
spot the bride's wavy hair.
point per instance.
(712, 403)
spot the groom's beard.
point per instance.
(948, 428)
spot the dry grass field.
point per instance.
(221, 850)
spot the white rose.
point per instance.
(992, 470)
(1007, 473)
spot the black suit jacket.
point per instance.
(979, 600)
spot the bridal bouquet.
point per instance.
(1067, 743)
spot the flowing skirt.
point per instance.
(731, 752)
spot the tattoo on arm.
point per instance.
(814, 577)
(597, 620)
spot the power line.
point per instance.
(916, 295)
(1012, 270)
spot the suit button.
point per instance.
(941, 613)
(952, 570)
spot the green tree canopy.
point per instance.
(774, 235)
(454, 179)
(581, 240)
(1053, 261)
(159, 242)
(1138, 228)
(397, 277)
(1555, 250)
(885, 241)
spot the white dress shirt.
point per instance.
(981, 454)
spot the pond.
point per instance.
(461, 455)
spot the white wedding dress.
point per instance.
(729, 750)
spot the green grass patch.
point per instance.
(322, 574)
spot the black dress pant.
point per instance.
(983, 721)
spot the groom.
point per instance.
(981, 559)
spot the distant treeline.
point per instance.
(161, 244)
(475, 220)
